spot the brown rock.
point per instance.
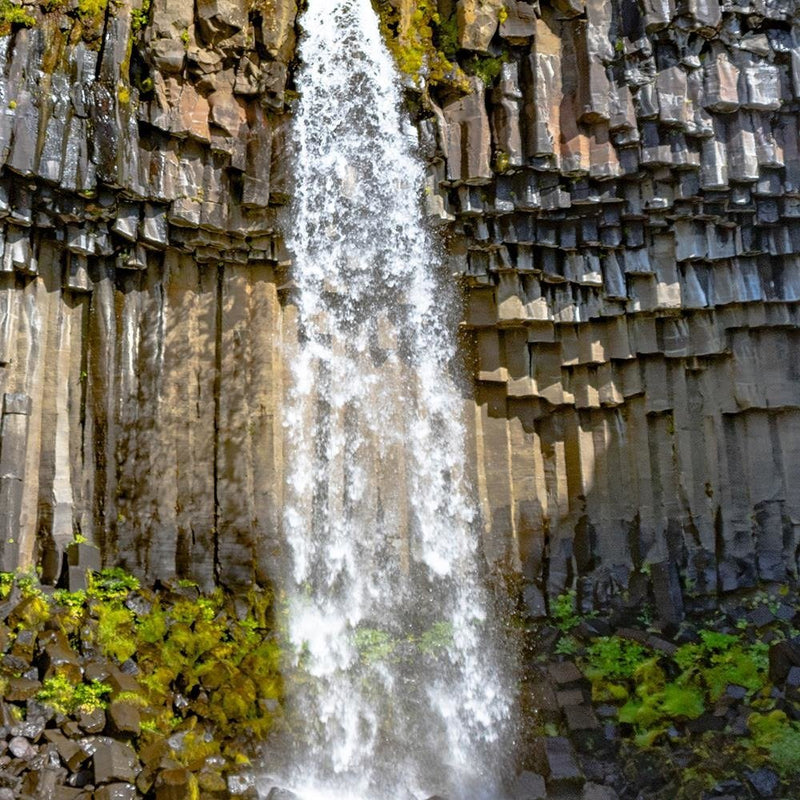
(21, 689)
(123, 718)
(277, 28)
(174, 784)
(467, 137)
(477, 23)
(114, 762)
(116, 791)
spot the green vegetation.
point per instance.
(65, 697)
(661, 691)
(375, 644)
(224, 665)
(13, 16)
(140, 17)
(778, 738)
(487, 68)
(564, 611)
(423, 45)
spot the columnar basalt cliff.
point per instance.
(618, 183)
(626, 196)
(139, 307)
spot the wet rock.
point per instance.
(277, 793)
(529, 786)
(556, 759)
(764, 781)
(173, 784)
(70, 752)
(20, 747)
(123, 718)
(114, 762)
(117, 791)
(92, 721)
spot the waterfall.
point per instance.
(402, 692)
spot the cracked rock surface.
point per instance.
(618, 184)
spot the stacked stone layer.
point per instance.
(621, 201)
(138, 299)
(625, 201)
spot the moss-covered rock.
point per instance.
(190, 680)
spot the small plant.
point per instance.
(140, 17)
(12, 16)
(373, 644)
(437, 638)
(112, 583)
(613, 658)
(487, 68)
(63, 696)
(564, 611)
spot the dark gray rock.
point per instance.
(564, 673)
(276, 793)
(581, 718)
(596, 791)
(529, 786)
(761, 617)
(556, 759)
(764, 781)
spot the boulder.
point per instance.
(114, 762)
(477, 23)
(529, 786)
(117, 791)
(123, 718)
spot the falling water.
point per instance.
(402, 694)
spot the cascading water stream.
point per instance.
(403, 694)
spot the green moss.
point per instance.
(115, 631)
(65, 697)
(92, 9)
(418, 41)
(775, 734)
(14, 16)
(437, 638)
(373, 644)
(140, 17)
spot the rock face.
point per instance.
(138, 296)
(620, 186)
(633, 285)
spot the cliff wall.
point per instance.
(625, 198)
(143, 158)
(618, 184)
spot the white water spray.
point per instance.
(403, 695)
